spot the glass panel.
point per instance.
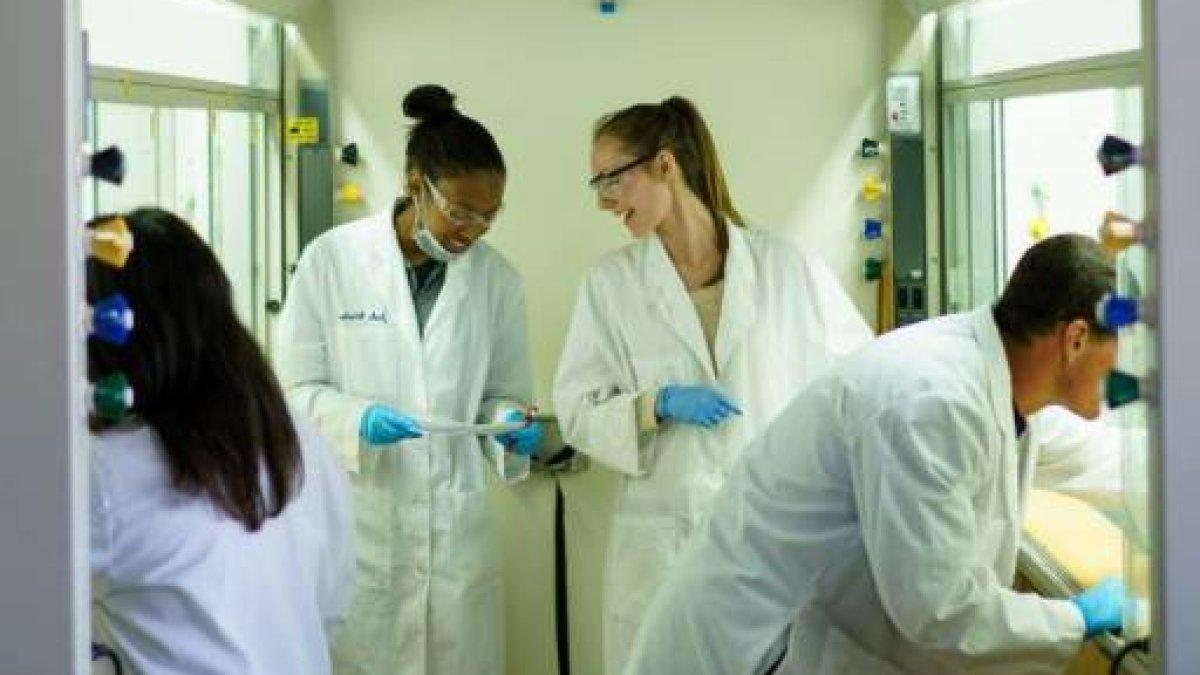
(983, 179)
(956, 293)
(135, 129)
(88, 197)
(979, 37)
(271, 254)
(234, 208)
(221, 42)
(1052, 183)
(971, 218)
(265, 55)
(183, 167)
(209, 168)
(1136, 356)
(1025, 168)
(166, 153)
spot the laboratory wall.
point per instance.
(789, 88)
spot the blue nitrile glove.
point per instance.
(382, 425)
(702, 406)
(1101, 606)
(523, 441)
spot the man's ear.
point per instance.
(1075, 336)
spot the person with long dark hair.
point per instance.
(397, 328)
(220, 523)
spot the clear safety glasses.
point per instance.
(606, 184)
(458, 216)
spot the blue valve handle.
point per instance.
(112, 320)
(1116, 311)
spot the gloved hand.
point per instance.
(523, 441)
(382, 425)
(702, 406)
(1101, 606)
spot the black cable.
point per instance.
(562, 619)
(1142, 645)
(100, 651)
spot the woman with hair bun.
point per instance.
(396, 323)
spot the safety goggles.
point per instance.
(458, 216)
(606, 184)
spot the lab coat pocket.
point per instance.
(643, 549)
(370, 361)
(467, 558)
(374, 532)
(483, 651)
(355, 644)
(701, 489)
(468, 581)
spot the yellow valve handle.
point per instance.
(350, 193)
(873, 188)
(111, 242)
(1039, 228)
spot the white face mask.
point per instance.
(428, 243)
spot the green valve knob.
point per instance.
(112, 397)
(873, 269)
(1121, 389)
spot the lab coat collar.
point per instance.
(391, 258)
(998, 373)
(454, 290)
(671, 299)
(738, 308)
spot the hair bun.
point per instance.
(429, 102)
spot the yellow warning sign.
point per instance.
(302, 130)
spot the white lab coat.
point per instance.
(880, 516)
(1076, 454)
(784, 320)
(179, 586)
(428, 593)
